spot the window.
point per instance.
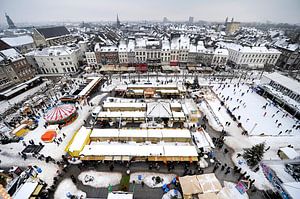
(56, 70)
(68, 57)
(64, 70)
(62, 63)
(66, 63)
(54, 64)
(59, 58)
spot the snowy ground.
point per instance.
(67, 187)
(255, 119)
(217, 119)
(146, 177)
(99, 179)
(229, 191)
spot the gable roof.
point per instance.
(18, 41)
(3, 45)
(51, 32)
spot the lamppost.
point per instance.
(252, 128)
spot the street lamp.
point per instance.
(253, 128)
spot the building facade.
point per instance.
(57, 59)
(107, 54)
(220, 57)
(14, 68)
(91, 58)
(252, 57)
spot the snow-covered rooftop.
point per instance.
(11, 54)
(141, 42)
(290, 152)
(79, 140)
(159, 109)
(18, 41)
(109, 49)
(119, 195)
(182, 42)
(165, 45)
(134, 149)
(247, 49)
(55, 51)
(25, 190)
(142, 133)
(124, 104)
(223, 52)
(293, 189)
(88, 88)
(285, 81)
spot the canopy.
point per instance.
(159, 109)
(60, 112)
(48, 136)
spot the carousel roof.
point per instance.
(60, 112)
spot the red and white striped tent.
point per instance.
(61, 114)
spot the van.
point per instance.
(96, 111)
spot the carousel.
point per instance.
(61, 114)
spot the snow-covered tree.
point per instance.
(254, 154)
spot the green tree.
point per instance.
(254, 154)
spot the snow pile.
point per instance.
(67, 187)
(260, 181)
(149, 178)
(99, 179)
(172, 194)
(212, 120)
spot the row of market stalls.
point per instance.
(141, 135)
(139, 112)
(128, 144)
(116, 69)
(173, 90)
(131, 69)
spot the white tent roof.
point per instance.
(79, 139)
(293, 188)
(134, 149)
(25, 191)
(159, 109)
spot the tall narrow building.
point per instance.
(226, 21)
(118, 22)
(10, 23)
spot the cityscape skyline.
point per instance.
(33, 11)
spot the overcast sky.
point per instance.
(106, 10)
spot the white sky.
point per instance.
(106, 10)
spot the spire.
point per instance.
(118, 22)
(226, 21)
(10, 23)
